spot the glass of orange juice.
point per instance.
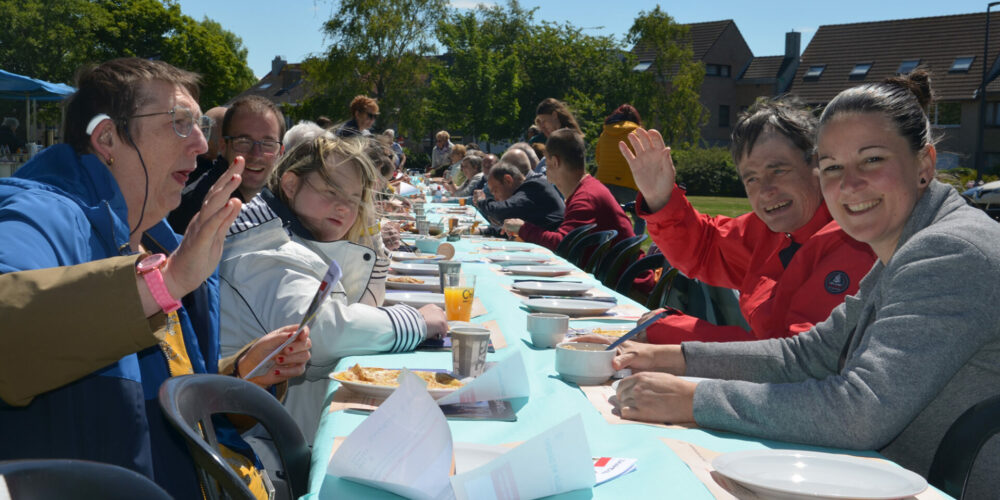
(461, 202)
(459, 291)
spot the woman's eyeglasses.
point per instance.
(183, 121)
(244, 144)
(332, 195)
(371, 115)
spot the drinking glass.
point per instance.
(459, 291)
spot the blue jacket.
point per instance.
(61, 209)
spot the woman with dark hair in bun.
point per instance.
(898, 362)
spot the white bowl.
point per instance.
(584, 363)
(427, 245)
(547, 329)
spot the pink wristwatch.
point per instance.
(149, 268)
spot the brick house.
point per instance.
(951, 47)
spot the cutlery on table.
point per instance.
(574, 297)
(640, 327)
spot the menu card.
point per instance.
(405, 446)
(506, 379)
(555, 461)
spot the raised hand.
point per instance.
(199, 252)
(652, 167)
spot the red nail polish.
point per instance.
(277, 372)
(281, 359)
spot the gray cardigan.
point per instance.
(926, 347)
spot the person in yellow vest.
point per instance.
(612, 169)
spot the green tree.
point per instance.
(588, 72)
(51, 40)
(476, 92)
(378, 48)
(668, 91)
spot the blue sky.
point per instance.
(292, 28)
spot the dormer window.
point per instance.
(642, 66)
(961, 65)
(860, 70)
(718, 70)
(907, 66)
(814, 72)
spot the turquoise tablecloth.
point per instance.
(660, 473)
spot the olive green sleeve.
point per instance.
(63, 323)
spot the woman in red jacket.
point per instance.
(791, 263)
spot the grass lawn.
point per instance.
(714, 205)
(720, 205)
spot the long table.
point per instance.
(660, 472)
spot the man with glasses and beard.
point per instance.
(252, 128)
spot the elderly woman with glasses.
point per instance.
(133, 131)
(318, 207)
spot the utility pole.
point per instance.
(980, 155)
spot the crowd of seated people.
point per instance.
(200, 254)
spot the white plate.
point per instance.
(405, 268)
(571, 307)
(401, 256)
(794, 474)
(382, 391)
(469, 456)
(521, 259)
(430, 283)
(538, 270)
(414, 299)
(552, 288)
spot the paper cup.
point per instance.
(446, 268)
(468, 351)
(547, 329)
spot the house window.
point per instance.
(724, 115)
(723, 70)
(642, 66)
(860, 70)
(947, 114)
(907, 66)
(814, 72)
(993, 114)
(961, 65)
(264, 86)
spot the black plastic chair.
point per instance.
(664, 289)
(76, 479)
(571, 238)
(638, 223)
(618, 258)
(590, 246)
(628, 276)
(189, 401)
(960, 446)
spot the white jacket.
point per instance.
(269, 277)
